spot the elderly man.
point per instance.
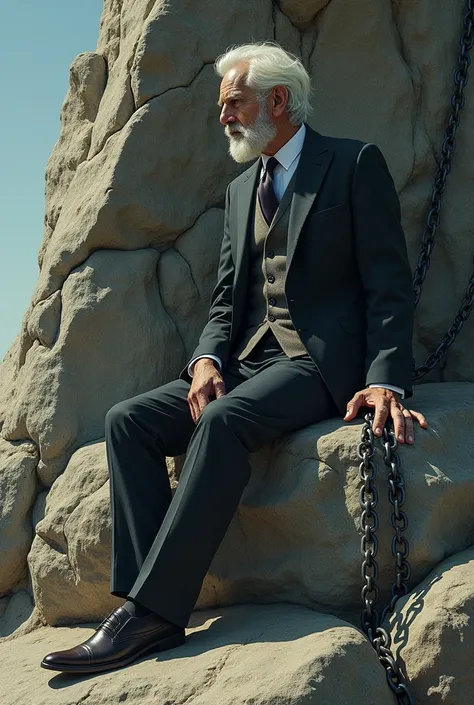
(311, 317)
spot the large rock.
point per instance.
(126, 155)
(236, 656)
(433, 636)
(295, 536)
(134, 209)
(87, 80)
(17, 492)
(70, 557)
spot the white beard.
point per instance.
(253, 139)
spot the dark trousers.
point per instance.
(162, 547)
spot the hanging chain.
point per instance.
(439, 355)
(433, 218)
(371, 621)
(396, 496)
(448, 148)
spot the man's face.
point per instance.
(245, 116)
(237, 101)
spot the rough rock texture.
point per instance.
(295, 536)
(430, 625)
(17, 492)
(69, 560)
(133, 224)
(87, 80)
(240, 655)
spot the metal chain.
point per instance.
(433, 218)
(396, 496)
(449, 146)
(371, 620)
(439, 355)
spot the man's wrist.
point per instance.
(391, 387)
(206, 356)
(204, 362)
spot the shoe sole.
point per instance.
(170, 642)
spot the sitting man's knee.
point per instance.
(217, 409)
(118, 411)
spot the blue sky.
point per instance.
(38, 41)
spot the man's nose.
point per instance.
(226, 116)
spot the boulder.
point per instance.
(432, 633)
(295, 536)
(69, 559)
(134, 210)
(234, 656)
(126, 156)
(18, 484)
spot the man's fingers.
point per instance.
(420, 418)
(219, 389)
(197, 402)
(381, 413)
(398, 421)
(192, 409)
(409, 430)
(353, 407)
(387, 405)
(202, 401)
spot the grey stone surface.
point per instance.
(295, 536)
(133, 224)
(432, 633)
(240, 655)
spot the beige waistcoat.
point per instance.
(266, 302)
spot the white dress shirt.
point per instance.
(288, 157)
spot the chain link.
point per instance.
(396, 496)
(371, 620)
(369, 524)
(433, 218)
(439, 355)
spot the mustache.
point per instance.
(235, 127)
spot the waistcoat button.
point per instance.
(272, 302)
(271, 278)
(271, 254)
(271, 318)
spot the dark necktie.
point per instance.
(266, 194)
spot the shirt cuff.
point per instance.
(213, 357)
(400, 390)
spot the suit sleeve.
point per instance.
(209, 357)
(215, 337)
(383, 264)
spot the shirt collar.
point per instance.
(287, 154)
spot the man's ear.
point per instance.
(279, 100)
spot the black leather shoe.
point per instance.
(117, 641)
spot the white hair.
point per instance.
(270, 66)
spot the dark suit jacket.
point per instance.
(348, 280)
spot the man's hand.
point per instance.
(387, 403)
(207, 381)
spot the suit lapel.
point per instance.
(285, 201)
(315, 158)
(246, 194)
